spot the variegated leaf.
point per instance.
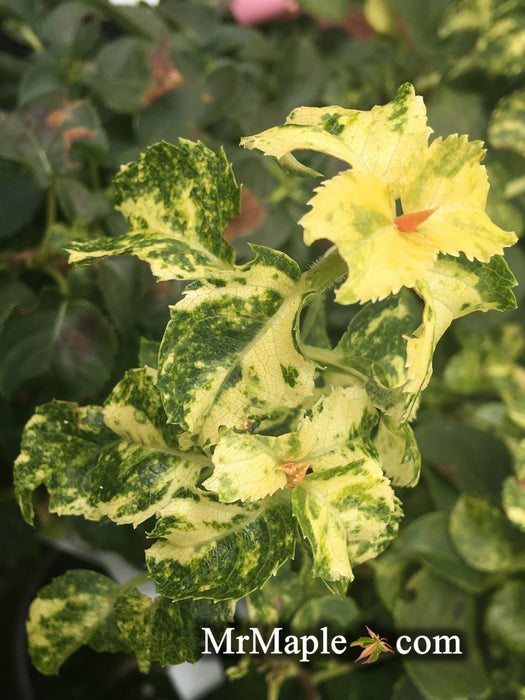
(139, 475)
(85, 607)
(383, 141)
(177, 201)
(164, 631)
(67, 613)
(218, 550)
(327, 444)
(347, 512)
(398, 452)
(61, 444)
(250, 467)
(507, 123)
(513, 499)
(375, 344)
(499, 49)
(454, 288)
(443, 199)
(126, 468)
(378, 332)
(228, 355)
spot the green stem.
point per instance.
(326, 271)
(329, 673)
(59, 278)
(274, 689)
(137, 580)
(330, 358)
(51, 213)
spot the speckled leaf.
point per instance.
(443, 202)
(513, 497)
(383, 141)
(164, 631)
(228, 355)
(126, 468)
(177, 201)
(250, 467)
(398, 452)
(454, 288)
(483, 536)
(347, 512)
(378, 332)
(499, 49)
(507, 124)
(66, 613)
(140, 474)
(60, 446)
(218, 550)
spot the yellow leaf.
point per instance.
(356, 211)
(384, 141)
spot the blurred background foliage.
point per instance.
(85, 86)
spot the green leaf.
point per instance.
(337, 613)
(335, 10)
(211, 372)
(149, 353)
(473, 460)
(13, 293)
(126, 468)
(507, 123)
(41, 135)
(19, 197)
(428, 541)
(505, 616)
(217, 550)
(70, 339)
(177, 201)
(483, 536)
(66, 613)
(122, 74)
(437, 605)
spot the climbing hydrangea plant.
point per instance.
(241, 442)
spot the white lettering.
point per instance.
(324, 636)
(306, 652)
(208, 637)
(399, 648)
(291, 644)
(447, 639)
(274, 637)
(427, 644)
(338, 639)
(240, 642)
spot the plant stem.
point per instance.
(330, 358)
(326, 271)
(329, 673)
(137, 580)
(51, 213)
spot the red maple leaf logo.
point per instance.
(373, 646)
